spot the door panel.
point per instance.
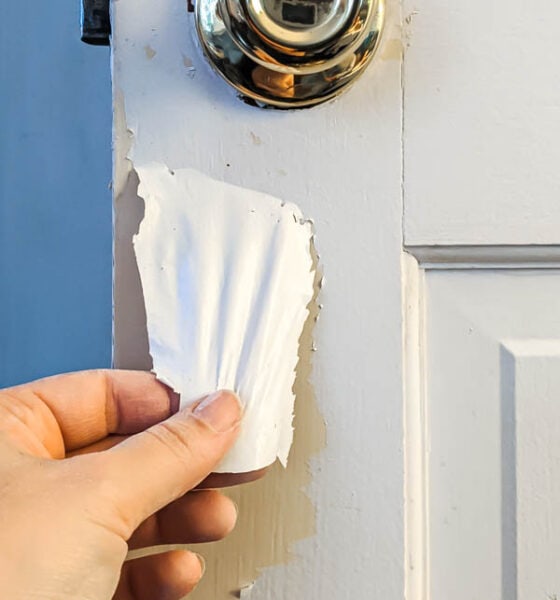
(493, 453)
(482, 122)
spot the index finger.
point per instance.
(70, 411)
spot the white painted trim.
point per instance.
(486, 257)
(415, 433)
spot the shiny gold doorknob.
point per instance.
(289, 53)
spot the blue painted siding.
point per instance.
(55, 205)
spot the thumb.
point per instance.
(151, 469)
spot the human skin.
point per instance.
(96, 463)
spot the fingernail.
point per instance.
(174, 399)
(220, 411)
(202, 562)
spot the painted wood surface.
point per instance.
(482, 122)
(476, 139)
(492, 404)
(331, 525)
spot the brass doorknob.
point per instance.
(289, 53)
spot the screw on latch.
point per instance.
(96, 22)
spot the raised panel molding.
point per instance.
(530, 390)
(486, 257)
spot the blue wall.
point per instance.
(55, 205)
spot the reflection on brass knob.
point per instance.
(289, 53)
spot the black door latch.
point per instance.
(96, 22)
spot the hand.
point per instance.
(77, 490)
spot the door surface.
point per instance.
(424, 464)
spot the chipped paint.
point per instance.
(343, 154)
(279, 500)
(255, 138)
(392, 49)
(149, 51)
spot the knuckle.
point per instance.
(177, 438)
(16, 411)
(26, 422)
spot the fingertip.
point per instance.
(224, 513)
(202, 564)
(171, 574)
(231, 513)
(198, 517)
(187, 565)
(174, 399)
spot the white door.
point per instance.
(425, 461)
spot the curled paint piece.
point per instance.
(227, 275)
